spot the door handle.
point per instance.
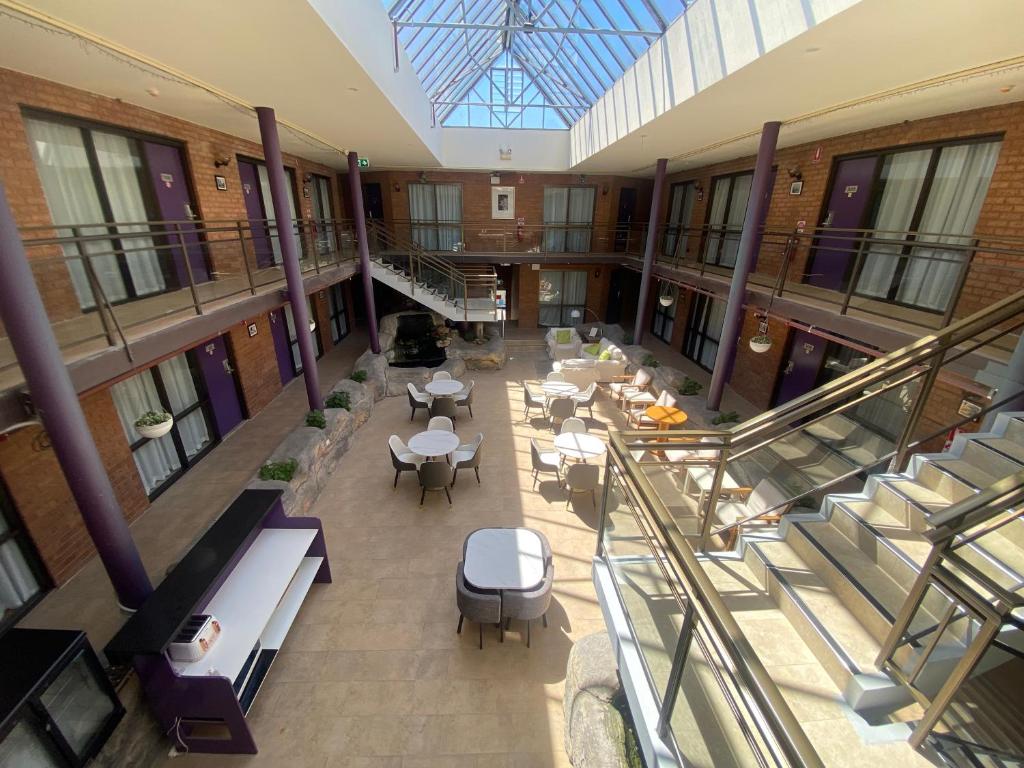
(189, 213)
(828, 219)
(227, 367)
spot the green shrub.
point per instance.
(358, 376)
(726, 417)
(279, 470)
(152, 418)
(627, 339)
(339, 400)
(650, 361)
(316, 419)
(690, 387)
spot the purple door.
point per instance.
(170, 187)
(282, 347)
(851, 191)
(801, 369)
(219, 377)
(256, 213)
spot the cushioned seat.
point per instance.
(563, 343)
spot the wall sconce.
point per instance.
(583, 178)
(397, 187)
(699, 189)
(604, 189)
(505, 154)
(495, 178)
(219, 161)
(423, 177)
(795, 173)
(521, 179)
(307, 178)
(597, 273)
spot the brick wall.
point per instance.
(41, 494)
(256, 363)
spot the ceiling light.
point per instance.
(812, 49)
(153, 91)
(1007, 88)
(353, 90)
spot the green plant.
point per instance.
(627, 339)
(339, 400)
(279, 470)
(690, 387)
(152, 418)
(726, 417)
(316, 419)
(650, 361)
(358, 376)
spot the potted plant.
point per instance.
(442, 336)
(762, 342)
(154, 424)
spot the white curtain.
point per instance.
(120, 167)
(449, 210)
(958, 189)
(323, 211)
(902, 178)
(157, 459)
(574, 295)
(339, 324)
(680, 211)
(181, 392)
(72, 198)
(17, 583)
(287, 228)
(713, 332)
(423, 208)
(556, 207)
(581, 211)
(550, 298)
(734, 218)
(716, 219)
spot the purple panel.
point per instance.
(851, 191)
(171, 190)
(256, 213)
(220, 384)
(801, 371)
(282, 347)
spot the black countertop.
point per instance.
(27, 656)
(155, 624)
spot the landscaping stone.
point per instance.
(376, 367)
(490, 356)
(361, 399)
(595, 735)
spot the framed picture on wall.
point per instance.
(503, 202)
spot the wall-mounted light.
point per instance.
(795, 173)
(397, 187)
(583, 178)
(307, 178)
(604, 189)
(505, 154)
(423, 177)
(699, 189)
(219, 161)
(522, 180)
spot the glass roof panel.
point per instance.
(524, 63)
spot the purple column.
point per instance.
(757, 206)
(652, 238)
(292, 273)
(355, 188)
(28, 327)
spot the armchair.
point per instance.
(766, 501)
(563, 343)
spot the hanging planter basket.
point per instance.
(761, 343)
(666, 300)
(153, 424)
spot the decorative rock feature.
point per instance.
(387, 329)
(490, 356)
(399, 377)
(360, 399)
(595, 735)
(376, 367)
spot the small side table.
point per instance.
(666, 416)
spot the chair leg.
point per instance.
(501, 631)
(455, 475)
(477, 471)
(423, 495)
(593, 498)
(397, 473)
(459, 630)
(470, 411)
(528, 622)
(448, 495)
(544, 618)
(412, 415)
(481, 637)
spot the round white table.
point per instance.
(578, 445)
(434, 442)
(559, 388)
(443, 387)
(504, 558)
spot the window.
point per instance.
(259, 209)
(725, 217)
(680, 210)
(938, 191)
(96, 176)
(568, 216)
(664, 318)
(704, 331)
(339, 317)
(174, 386)
(437, 208)
(885, 414)
(293, 339)
(323, 213)
(562, 293)
(21, 576)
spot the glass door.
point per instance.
(561, 294)
(323, 214)
(293, 338)
(338, 312)
(704, 331)
(725, 218)
(664, 318)
(568, 219)
(680, 210)
(21, 575)
(437, 209)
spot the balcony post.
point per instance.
(28, 327)
(355, 189)
(649, 247)
(757, 206)
(292, 272)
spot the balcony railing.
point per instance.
(104, 283)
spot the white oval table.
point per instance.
(504, 558)
(443, 387)
(433, 443)
(578, 445)
(559, 388)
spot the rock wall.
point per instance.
(595, 734)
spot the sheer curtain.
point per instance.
(556, 206)
(712, 333)
(902, 177)
(423, 208)
(734, 218)
(958, 189)
(72, 198)
(680, 211)
(120, 166)
(581, 211)
(157, 459)
(550, 298)
(181, 392)
(17, 582)
(716, 219)
(574, 295)
(449, 210)
(287, 228)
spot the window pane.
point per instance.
(178, 383)
(17, 582)
(77, 704)
(194, 432)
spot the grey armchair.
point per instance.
(434, 476)
(464, 399)
(467, 456)
(527, 606)
(443, 406)
(481, 607)
(560, 409)
(544, 461)
(402, 459)
(417, 400)
(530, 401)
(580, 478)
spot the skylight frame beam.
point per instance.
(450, 73)
(464, 83)
(446, 37)
(412, 38)
(595, 86)
(450, 40)
(609, 49)
(567, 74)
(660, 20)
(542, 86)
(597, 31)
(599, 5)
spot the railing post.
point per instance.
(94, 287)
(858, 267)
(315, 247)
(954, 297)
(188, 270)
(712, 501)
(907, 434)
(245, 258)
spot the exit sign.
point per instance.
(364, 162)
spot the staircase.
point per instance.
(458, 292)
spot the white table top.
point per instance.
(559, 388)
(434, 442)
(443, 387)
(504, 558)
(579, 445)
(703, 477)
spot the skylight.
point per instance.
(524, 63)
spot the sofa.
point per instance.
(589, 367)
(563, 343)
